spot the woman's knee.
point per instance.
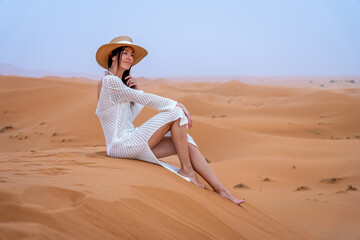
(176, 123)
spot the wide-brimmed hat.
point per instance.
(102, 54)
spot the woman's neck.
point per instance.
(114, 70)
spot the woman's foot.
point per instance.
(193, 178)
(226, 194)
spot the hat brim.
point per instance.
(102, 54)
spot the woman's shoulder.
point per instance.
(109, 76)
(112, 81)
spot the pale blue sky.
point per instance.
(187, 37)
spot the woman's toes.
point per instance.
(226, 194)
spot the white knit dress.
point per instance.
(116, 114)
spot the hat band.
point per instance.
(127, 42)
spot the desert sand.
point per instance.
(292, 152)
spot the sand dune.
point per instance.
(56, 181)
(122, 199)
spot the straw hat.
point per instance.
(102, 54)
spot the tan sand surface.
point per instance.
(56, 181)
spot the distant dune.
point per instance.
(291, 150)
(323, 82)
(8, 69)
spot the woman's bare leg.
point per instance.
(179, 138)
(159, 135)
(202, 167)
(166, 148)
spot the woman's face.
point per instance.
(127, 58)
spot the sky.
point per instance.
(187, 37)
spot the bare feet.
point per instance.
(193, 178)
(226, 194)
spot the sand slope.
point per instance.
(57, 182)
(81, 194)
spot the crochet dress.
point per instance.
(116, 114)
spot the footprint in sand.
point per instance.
(53, 198)
(21, 174)
(100, 154)
(4, 179)
(31, 164)
(73, 163)
(51, 171)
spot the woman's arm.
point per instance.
(135, 109)
(119, 92)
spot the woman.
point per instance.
(120, 101)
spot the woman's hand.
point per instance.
(187, 113)
(131, 82)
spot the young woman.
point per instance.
(165, 134)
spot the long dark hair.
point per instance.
(118, 51)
